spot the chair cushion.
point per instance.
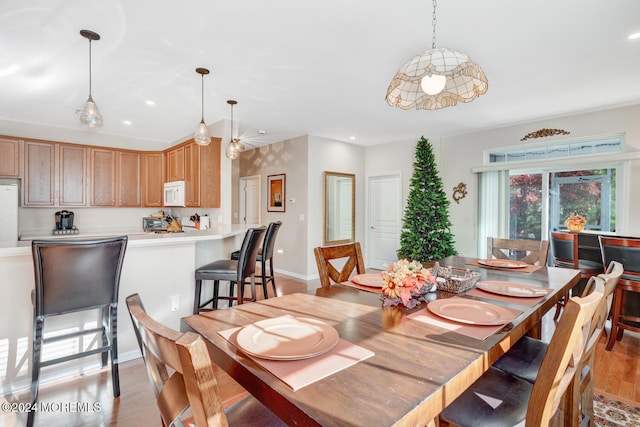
(523, 359)
(224, 269)
(250, 412)
(509, 393)
(236, 255)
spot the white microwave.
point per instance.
(174, 193)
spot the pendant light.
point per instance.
(437, 78)
(233, 148)
(202, 136)
(89, 115)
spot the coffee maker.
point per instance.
(64, 220)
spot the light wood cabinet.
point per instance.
(103, 177)
(72, 175)
(175, 164)
(129, 182)
(152, 188)
(210, 174)
(39, 173)
(9, 157)
(192, 175)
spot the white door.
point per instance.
(250, 200)
(384, 220)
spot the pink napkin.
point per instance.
(528, 269)
(362, 287)
(480, 332)
(529, 302)
(299, 373)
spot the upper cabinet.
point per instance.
(175, 163)
(39, 173)
(129, 179)
(210, 174)
(72, 175)
(9, 157)
(152, 181)
(115, 178)
(192, 175)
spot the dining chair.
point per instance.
(564, 254)
(524, 359)
(625, 314)
(499, 398)
(74, 276)
(232, 271)
(183, 376)
(534, 252)
(265, 254)
(350, 254)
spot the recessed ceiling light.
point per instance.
(262, 132)
(634, 36)
(127, 122)
(150, 103)
(352, 138)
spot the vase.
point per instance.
(575, 228)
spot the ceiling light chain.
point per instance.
(433, 24)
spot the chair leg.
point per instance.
(617, 310)
(263, 271)
(273, 277)
(36, 354)
(115, 373)
(560, 305)
(196, 297)
(106, 331)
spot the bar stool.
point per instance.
(564, 251)
(265, 253)
(73, 276)
(232, 271)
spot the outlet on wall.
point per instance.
(175, 302)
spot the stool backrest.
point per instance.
(534, 252)
(179, 368)
(270, 240)
(564, 247)
(624, 250)
(75, 275)
(249, 251)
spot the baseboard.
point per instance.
(23, 384)
(296, 275)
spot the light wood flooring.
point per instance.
(617, 375)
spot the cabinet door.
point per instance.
(152, 187)
(210, 174)
(9, 157)
(103, 174)
(175, 164)
(39, 173)
(129, 179)
(192, 175)
(72, 175)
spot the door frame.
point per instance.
(369, 239)
(241, 202)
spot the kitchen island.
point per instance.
(160, 267)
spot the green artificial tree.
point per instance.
(426, 234)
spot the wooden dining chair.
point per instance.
(499, 398)
(183, 377)
(534, 252)
(564, 254)
(350, 254)
(625, 314)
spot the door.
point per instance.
(384, 211)
(249, 200)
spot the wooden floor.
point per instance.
(617, 375)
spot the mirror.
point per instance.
(339, 208)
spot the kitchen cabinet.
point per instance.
(192, 174)
(152, 181)
(210, 174)
(9, 158)
(129, 183)
(103, 177)
(72, 175)
(39, 173)
(175, 164)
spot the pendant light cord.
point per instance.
(89, 68)
(202, 95)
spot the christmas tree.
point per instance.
(426, 234)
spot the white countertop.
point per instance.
(136, 238)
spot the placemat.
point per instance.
(528, 269)
(362, 287)
(299, 373)
(529, 302)
(480, 332)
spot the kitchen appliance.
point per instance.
(9, 212)
(154, 224)
(174, 192)
(64, 220)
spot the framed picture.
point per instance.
(276, 195)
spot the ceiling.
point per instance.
(303, 67)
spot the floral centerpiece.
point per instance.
(406, 282)
(575, 222)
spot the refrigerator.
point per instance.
(8, 212)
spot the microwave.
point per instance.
(174, 193)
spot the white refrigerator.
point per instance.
(9, 212)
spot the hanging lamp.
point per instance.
(437, 78)
(202, 136)
(233, 148)
(89, 114)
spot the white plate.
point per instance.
(287, 338)
(470, 311)
(372, 280)
(502, 263)
(512, 289)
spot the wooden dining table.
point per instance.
(416, 371)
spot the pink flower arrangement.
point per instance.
(406, 282)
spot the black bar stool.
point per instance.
(232, 271)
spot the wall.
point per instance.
(290, 158)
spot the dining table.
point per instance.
(400, 369)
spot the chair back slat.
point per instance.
(534, 252)
(350, 253)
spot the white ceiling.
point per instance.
(303, 67)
